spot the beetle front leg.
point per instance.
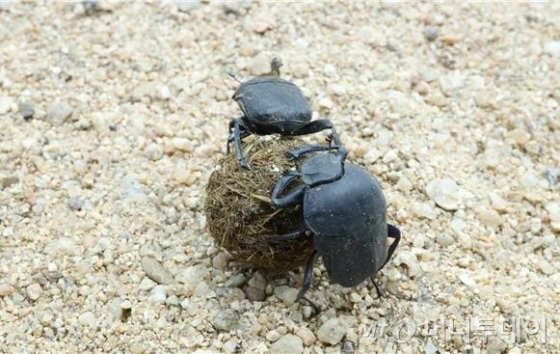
(236, 135)
(294, 198)
(333, 139)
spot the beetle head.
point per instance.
(322, 168)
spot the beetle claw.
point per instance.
(290, 156)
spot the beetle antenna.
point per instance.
(233, 76)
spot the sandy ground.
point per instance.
(111, 122)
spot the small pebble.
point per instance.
(260, 64)
(146, 284)
(444, 239)
(156, 271)
(256, 287)
(220, 261)
(519, 136)
(205, 150)
(159, 294)
(552, 48)
(201, 289)
(8, 180)
(6, 289)
(27, 110)
(182, 144)
(431, 33)
(467, 280)
(132, 189)
(497, 202)
(553, 210)
(390, 156)
(87, 319)
(288, 344)
(273, 336)
(154, 152)
(6, 104)
(138, 348)
(329, 70)
(59, 112)
(430, 348)
(452, 83)
(331, 332)
(235, 281)
(286, 294)
(306, 336)
(347, 347)
(495, 345)
(34, 291)
(76, 203)
(444, 193)
(225, 320)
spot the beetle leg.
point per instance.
(333, 139)
(394, 233)
(307, 276)
(236, 136)
(377, 289)
(299, 234)
(294, 198)
(294, 154)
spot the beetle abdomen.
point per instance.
(348, 219)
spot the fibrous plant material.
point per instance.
(239, 212)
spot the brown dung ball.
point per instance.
(239, 212)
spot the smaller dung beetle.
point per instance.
(345, 214)
(271, 105)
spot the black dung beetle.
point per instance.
(272, 105)
(346, 216)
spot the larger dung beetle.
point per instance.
(344, 213)
(272, 105)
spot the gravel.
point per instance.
(112, 117)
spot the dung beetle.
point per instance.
(344, 213)
(272, 105)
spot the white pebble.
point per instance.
(337, 90)
(451, 83)
(444, 193)
(182, 144)
(146, 284)
(552, 48)
(201, 289)
(444, 240)
(306, 336)
(467, 280)
(329, 70)
(87, 319)
(159, 294)
(6, 104)
(553, 211)
(59, 112)
(390, 156)
(288, 344)
(273, 336)
(154, 152)
(286, 294)
(497, 202)
(331, 332)
(6, 289)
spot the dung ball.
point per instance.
(239, 212)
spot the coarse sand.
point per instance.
(112, 118)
